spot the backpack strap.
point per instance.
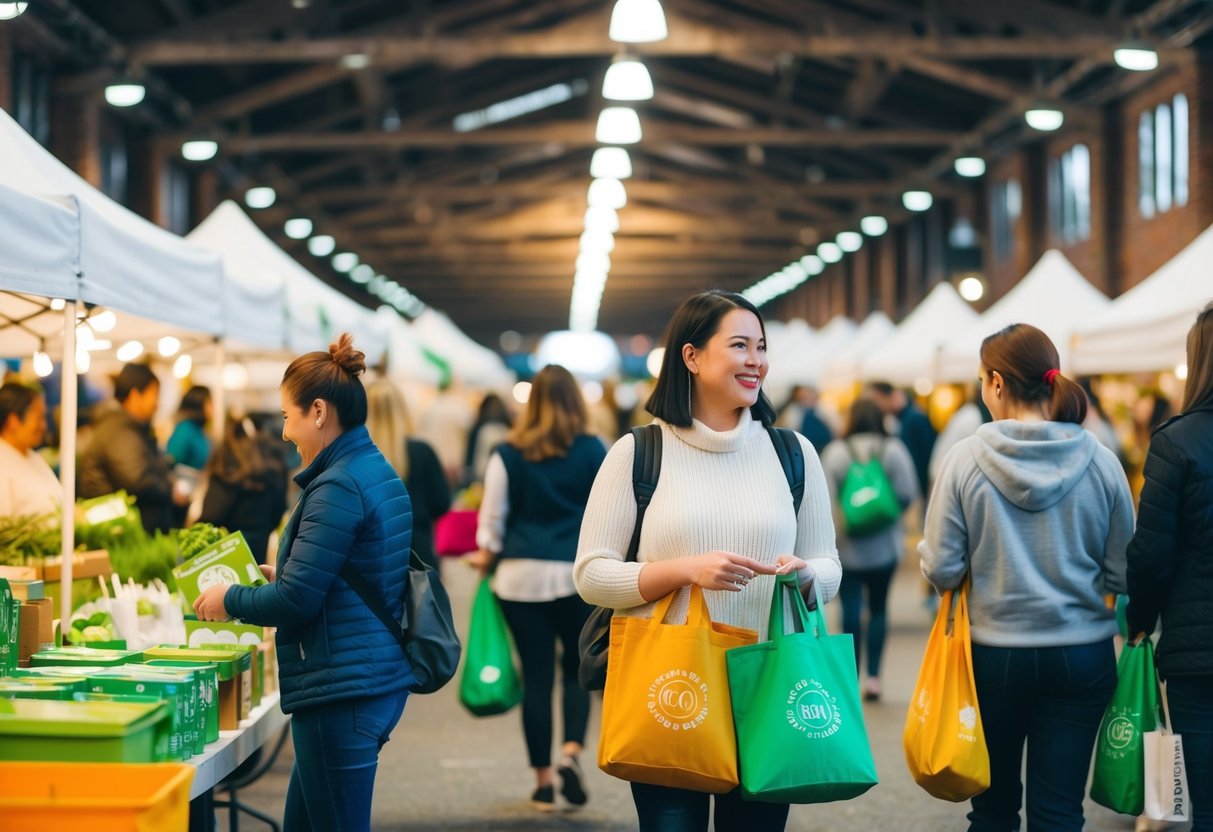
(791, 458)
(646, 468)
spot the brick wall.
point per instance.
(1001, 275)
(1090, 256)
(6, 69)
(1143, 245)
(76, 134)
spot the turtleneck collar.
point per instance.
(701, 436)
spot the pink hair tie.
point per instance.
(1050, 375)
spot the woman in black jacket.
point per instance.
(1171, 566)
(246, 488)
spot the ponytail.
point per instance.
(1069, 402)
(1028, 362)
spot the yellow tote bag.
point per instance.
(944, 742)
(667, 718)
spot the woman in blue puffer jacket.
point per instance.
(343, 676)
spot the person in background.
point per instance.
(914, 428)
(801, 414)
(1038, 514)
(1097, 420)
(343, 676)
(189, 444)
(869, 561)
(414, 462)
(246, 486)
(720, 518)
(27, 483)
(535, 491)
(122, 452)
(964, 422)
(491, 427)
(445, 425)
(1171, 566)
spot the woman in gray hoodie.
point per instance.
(1039, 514)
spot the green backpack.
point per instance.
(869, 504)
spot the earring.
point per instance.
(689, 410)
(317, 423)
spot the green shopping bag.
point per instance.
(800, 731)
(490, 684)
(1119, 781)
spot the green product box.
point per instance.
(102, 732)
(253, 685)
(78, 656)
(222, 633)
(207, 679)
(21, 689)
(194, 702)
(182, 723)
(8, 629)
(54, 676)
(230, 561)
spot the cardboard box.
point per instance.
(230, 561)
(19, 573)
(27, 590)
(84, 565)
(36, 628)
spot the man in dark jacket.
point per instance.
(915, 430)
(123, 454)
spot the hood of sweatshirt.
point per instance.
(1033, 464)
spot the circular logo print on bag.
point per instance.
(490, 674)
(1120, 733)
(813, 710)
(678, 700)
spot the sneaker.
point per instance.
(572, 781)
(543, 799)
(871, 691)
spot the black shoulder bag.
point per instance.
(595, 639)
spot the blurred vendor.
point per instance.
(27, 484)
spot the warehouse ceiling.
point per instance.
(774, 124)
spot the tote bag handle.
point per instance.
(804, 620)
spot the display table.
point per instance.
(234, 747)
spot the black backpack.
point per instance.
(646, 468)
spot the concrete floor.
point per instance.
(445, 770)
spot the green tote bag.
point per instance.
(490, 684)
(1119, 781)
(800, 731)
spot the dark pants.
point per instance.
(1191, 703)
(662, 809)
(1052, 698)
(536, 627)
(850, 593)
(336, 755)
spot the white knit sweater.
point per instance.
(717, 491)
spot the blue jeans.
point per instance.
(663, 809)
(1052, 698)
(1191, 702)
(336, 755)
(850, 593)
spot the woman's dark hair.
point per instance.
(193, 404)
(695, 322)
(866, 417)
(133, 377)
(492, 409)
(555, 415)
(333, 376)
(1028, 363)
(15, 399)
(1199, 389)
(243, 458)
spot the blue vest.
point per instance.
(547, 500)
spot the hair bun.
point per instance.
(353, 361)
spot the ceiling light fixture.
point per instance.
(124, 94)
(829, 252)
(601, 218)
(260, 197)
(168, 346)
(638, 21)
(43, 366)
(849, 241)
(1136, 57)
(362, 273)
(812, 264)
(917, 200)
(297, 228)
(321, 245)
(608, 193)
(627, 79)
(618, 125)
(345, 261)
(10, 10)
(874, 225)
(129, 351)
(970, 167)
(611, 163)
(199, 150)
(1044, 119)
(971, 288)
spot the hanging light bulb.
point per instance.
(83, 362)
(873, 225)
(593, 263)
(260, 197)
(199, 150)
(917, 200)
(126, 94)
(627, 79)
(10, 10)
(1136, 57)
(971, 288)
(182, 366)
(597, 242)
(607, 192)
(611, 163)
(1044, 119)
(812, 264)
(57, 304)
(129, 351)
(849, 240)
(345, 261)
(970, 166)
(618, 125)
(103, 321)
(321, 245)
(829, 252)
(297, 228)
(638, 21)
(601, 218)
(362, 273)
(43, 366)
(168, 346)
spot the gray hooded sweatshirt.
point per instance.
(1042, 514)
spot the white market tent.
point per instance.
(842, 367)
(1146, 328)
(910, 352)
(792, 348)
(469, 361)
(1053, 296)
(835, 335)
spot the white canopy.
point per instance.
(469, 361)
(124, 262)
(834, 336)
(407, 360)
(39, 246)
(793, 351)
(909, 353)
(842, 367)
(1146, 328)
(1053, 296)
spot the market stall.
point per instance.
(469, 361)
(910, 353)
(841, 368)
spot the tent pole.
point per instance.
(219, 394)
(67, 459)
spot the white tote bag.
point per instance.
(1166, 793)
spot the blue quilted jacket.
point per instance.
(331, 647)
